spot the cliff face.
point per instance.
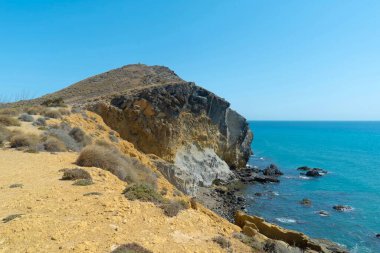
(178, 122)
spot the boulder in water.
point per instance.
(305, 202)
(272, 170)
(378, 236)
(342, 208)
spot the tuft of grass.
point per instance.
(53, 144)
(34, 110)
(172, 208)
(9, 121)
(222, 241)
(131, 248)
(9, 111)
(26, 117)
(63, 135)
(74, 174)
(64, 111)
(16, 186)
(143, 192)
(83, 182)
(11, 217)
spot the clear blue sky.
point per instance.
(277, 60)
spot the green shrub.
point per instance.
(143, 192)
(9, 121)
(74, 174)
(54, 102)
(83, 182)
(131, 248)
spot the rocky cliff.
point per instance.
(183, 124)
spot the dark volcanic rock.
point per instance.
(305, 202)
(272, 170)
(378, 236)
(312, 172)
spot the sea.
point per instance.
(349, 151)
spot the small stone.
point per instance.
(305, 202)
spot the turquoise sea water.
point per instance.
(350, 151)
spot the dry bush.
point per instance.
(75, 174)
(80, 136)
(173, 207)
(26, 117)
(143, 192)
(124, 167)
(9, 111)
(11, 217)
(54, 114)
(4, 135)
(54, 102)
(222, 241)
(40, 122)
(64, 136)
(53, 144)
(9, 121)
(131, 248)
(34, 110)
(22, 140)
(64, 111)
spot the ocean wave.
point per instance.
(304, 177)
(286, 220)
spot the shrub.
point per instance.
(74, 174)
(40, 122)
(52, 114)
(113, 138)
(22, 140)
(34, 110)
(26, 117)
(11, 217)
(4, 135)
(64, 136)
(54, 102)
(79, 136)
(108, 157)
(93, 194)
(9, 111)
(16, 186)
(83, 182)
(53, 144)
(222, 241)
(8, 121)
(64, 111)
(143, 192)
(131, 248)
(172, 208)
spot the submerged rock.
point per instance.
(305, 202)
(342, 208)
(378, 236)
(323, 213)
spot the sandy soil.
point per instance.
(56, 217)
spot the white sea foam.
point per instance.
(286, 220)
(304, 177)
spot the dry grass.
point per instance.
(34, 110)
(9, 121)
(173, 207)
(54, 102)
(54, 114)
(80, 136)
(4, 135)
(11, 217)
(83, 182)
(9, 111)
(124, 167)
(222, 241)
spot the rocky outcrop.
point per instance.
(255, 226)
(183, 124)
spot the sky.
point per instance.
(273, 60)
